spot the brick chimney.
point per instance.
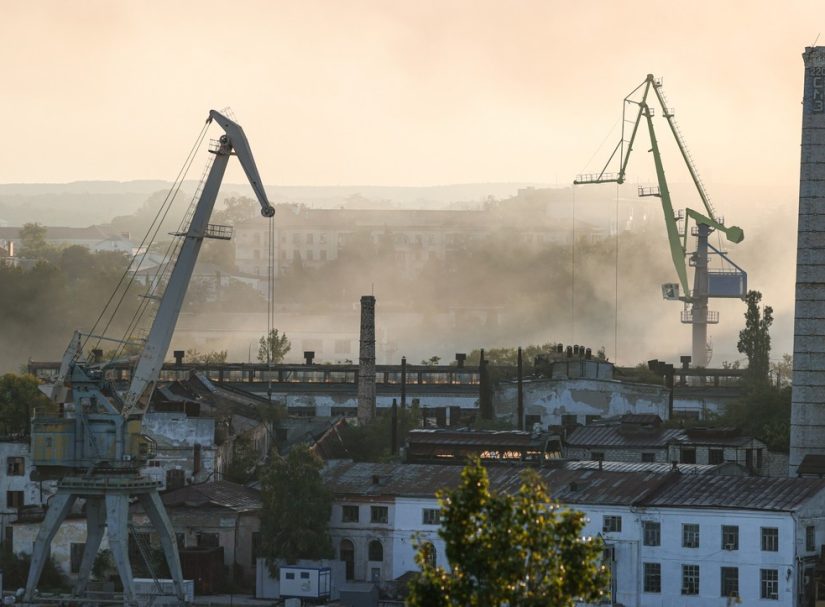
(366, 361)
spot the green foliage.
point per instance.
(18, 398)
(33, 241)
(641, 373)
(215, 357)
(296, 508)
(432, 361)
(104, 565)
(754, 339)
(519, 550)
(508, 356)
(245, 458)
(43, 306)
(274, 347)
(371, 442)
(782, 370)
(764, 412)
(15, 568)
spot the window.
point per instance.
(305, 575)
(652, 533)
(690, 579)
(653, 577)
(612, 524)
(375, 574)
(289, 575)
(375, 551)
(597, 456)
(76, 556)
(379, 514)
(810, 538)
(769, 583)
(687, 455)
(349, 514)
(730, 581)
(648, 457)
(569, 420)
(15, 466)
(14, 499)
(431, 516)
(770, 539)
(716, 456)
(690, 535)
(730, 538)
(175, 479)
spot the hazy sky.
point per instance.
(396, 92)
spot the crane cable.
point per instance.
(270, 302)
(163, 210)
(171, 249)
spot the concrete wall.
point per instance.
(361, 533)
(35, 493)
(177, 436)
(72, 531)
(551, 399)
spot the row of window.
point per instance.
(380, 515)
(652, 535)
(687, 455)
(729, 581)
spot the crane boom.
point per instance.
(148, 368)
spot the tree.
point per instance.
(33, 241)
(274, 347)
(519, 550)
(19, 396)
(215, 357)
(296, 508)
(245, 458)
(754, 339)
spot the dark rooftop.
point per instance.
(221, 494)
(580, 485)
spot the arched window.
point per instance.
(346, 552)
(429, 554)
(376, 551)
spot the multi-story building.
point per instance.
(18, 489)
(670, 538)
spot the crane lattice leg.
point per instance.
(95, 521)
(117, 522)
(60, 506)
(153, 506)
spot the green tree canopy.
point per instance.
(274, 347)
(296, 508)
(245, 458)
(19, 396)
(33, 241)
(755, 339)
(519, 550)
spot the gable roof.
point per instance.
(219, 494)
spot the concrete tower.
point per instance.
(808, 409)
(366, 361)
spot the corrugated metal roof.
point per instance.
(660, 467)
(617, 436)
(744, 493)
(635, 436)
(223, 494)
(476, 438)
(580, 485)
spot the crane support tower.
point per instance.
(729, 282)
(95, 447)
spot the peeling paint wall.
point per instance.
(35, 493)
(72, 531)
(178, 438)
(550, 399)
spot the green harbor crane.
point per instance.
(729, 282)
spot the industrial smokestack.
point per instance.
(366, 361)
(808, 396)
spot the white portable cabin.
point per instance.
(305, 582)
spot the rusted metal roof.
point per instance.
(581, 485)
(742, 493)
(476, 438)
(635, 436)
(223, 494)
(619, 436)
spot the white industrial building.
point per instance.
(672, 539)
